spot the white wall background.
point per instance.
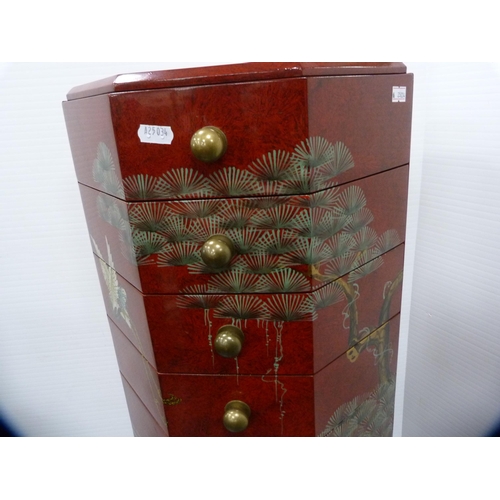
(453, 366)
(58, 374)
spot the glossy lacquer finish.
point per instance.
(283, 244)
(273, 130)
(315, 329)
(230, 73)
(248, 226)
(344, 398)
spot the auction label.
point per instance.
(155, 134)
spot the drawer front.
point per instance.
(292, 333)
(282, 244)
(283, 137)
(281, 406)
(354, 395)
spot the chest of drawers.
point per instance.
(248, 228)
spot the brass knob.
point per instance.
(229, 341)
(236, 416)
(217, 251)
(208, 144)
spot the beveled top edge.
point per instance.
(229, 73)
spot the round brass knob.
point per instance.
(229, 341)
(208, 144)
(217, 251)
(236, 416)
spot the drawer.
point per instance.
(349, 397)
(143, 423)
(281, 244)
(141, 376)
(283, 137)
(296, 333)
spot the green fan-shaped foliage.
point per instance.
(146, 243)
(196, 209)
(182, 183)
(235, 216)
(387, 241)
(273, 166)
(150, 217)
(358, 221)
(307, 251)
(341, 161)
(202, 229)
(351, 200)
(233, 282)
(141, 187)
(279, 242)
(281, 217)
(104, 172)
(314, 152)
(301, 181)
(339, 245)
(365, 269)
(259, 263)
(230, 181)
(364, 239)
(288, 307)
(175, 229)
(198, 298)
(246, 241)
(110, 211)
(326, 199)
(308, 223)
(285, 280)
(341, 265)
(328, 295)
(179, 254)
(241, 307)
(330, 224)
(369, 415)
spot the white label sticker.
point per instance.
(155, 134)
(398, 94)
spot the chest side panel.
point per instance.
(141, 376)
(143, 423)
(359, 112)
(92, 139)
(354, 396)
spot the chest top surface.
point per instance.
(230, 73)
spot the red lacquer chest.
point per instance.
(248, 227)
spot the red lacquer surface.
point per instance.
(360, 113)
(202, 398)
(230, 73)
(141, 376)
(143, 423)
(316, 280)
(282, 405)
(260, 120)
(347, 382)
(385, 199)
(183, 337)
